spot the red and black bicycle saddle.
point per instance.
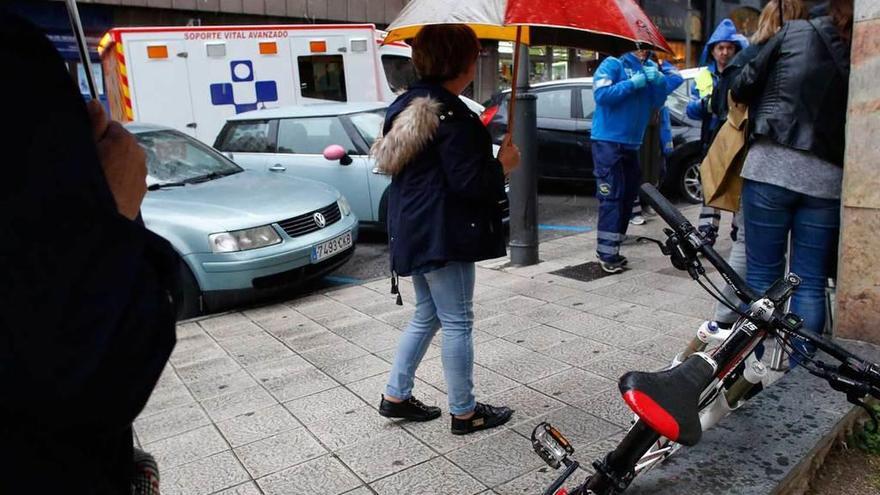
(667, 400)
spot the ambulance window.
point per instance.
(322, 77)
(247, 137)
(311, 135)
(399, 71)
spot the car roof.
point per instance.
(311, 110)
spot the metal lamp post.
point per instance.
(524, 180)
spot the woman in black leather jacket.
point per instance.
(796, 88)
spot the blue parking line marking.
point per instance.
(341, 280)
(567, 228)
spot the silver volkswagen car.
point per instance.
(298, 140)
(239, 233)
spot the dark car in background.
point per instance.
(565, 112)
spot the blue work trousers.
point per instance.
(618, 177)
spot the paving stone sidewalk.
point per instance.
(282, 399)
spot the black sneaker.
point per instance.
(485, 417)
(621, 259)
(613, 266)
(412, 409)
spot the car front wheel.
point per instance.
(689, 183)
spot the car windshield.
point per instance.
(369, 124)
(174, 157)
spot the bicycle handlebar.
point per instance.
(664, 208)
(686, 232)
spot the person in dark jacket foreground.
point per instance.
(87, 318)
(443, 215)
(796, 88)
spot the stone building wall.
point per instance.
(858, 295)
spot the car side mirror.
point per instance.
(335, 152)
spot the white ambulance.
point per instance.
(193, 78)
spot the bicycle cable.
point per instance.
(730, 304)
(718, 296)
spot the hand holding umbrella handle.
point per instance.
(508, 155)
(122, 160)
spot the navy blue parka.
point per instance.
(444, 200)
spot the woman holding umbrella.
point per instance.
(443, 215)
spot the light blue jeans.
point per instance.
(444, 298)
(737, 260)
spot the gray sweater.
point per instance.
(792, 169)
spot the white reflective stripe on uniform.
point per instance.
(601, 83)
(603, 249)
(710, 216)
(610, 236)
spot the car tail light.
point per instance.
(562, 491)
(489, 114)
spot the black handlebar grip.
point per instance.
(664, 208)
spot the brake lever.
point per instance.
(658, 242)
(854, 389)
(682, 255)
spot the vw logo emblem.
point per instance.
(320, 221)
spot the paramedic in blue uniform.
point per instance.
(627, 90)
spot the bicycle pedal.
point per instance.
(551, 445)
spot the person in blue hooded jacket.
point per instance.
(722, 47)
(627, 90)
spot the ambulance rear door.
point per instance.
(158, 77)
(336, 66)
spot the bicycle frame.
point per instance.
(722, 394)
(619, 467)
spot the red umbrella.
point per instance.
(609, 26)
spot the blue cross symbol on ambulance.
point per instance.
(244, 93)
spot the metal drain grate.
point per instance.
(586, 272)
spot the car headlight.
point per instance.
(344, 207)
(243, 240)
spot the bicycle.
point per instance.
(674, 406)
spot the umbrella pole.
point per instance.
(82, 46)
(514, 82)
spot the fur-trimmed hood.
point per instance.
(411, 130)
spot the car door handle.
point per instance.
(278, 168)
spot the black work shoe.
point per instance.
(485, 417)
(412, 409)
(613, 266)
